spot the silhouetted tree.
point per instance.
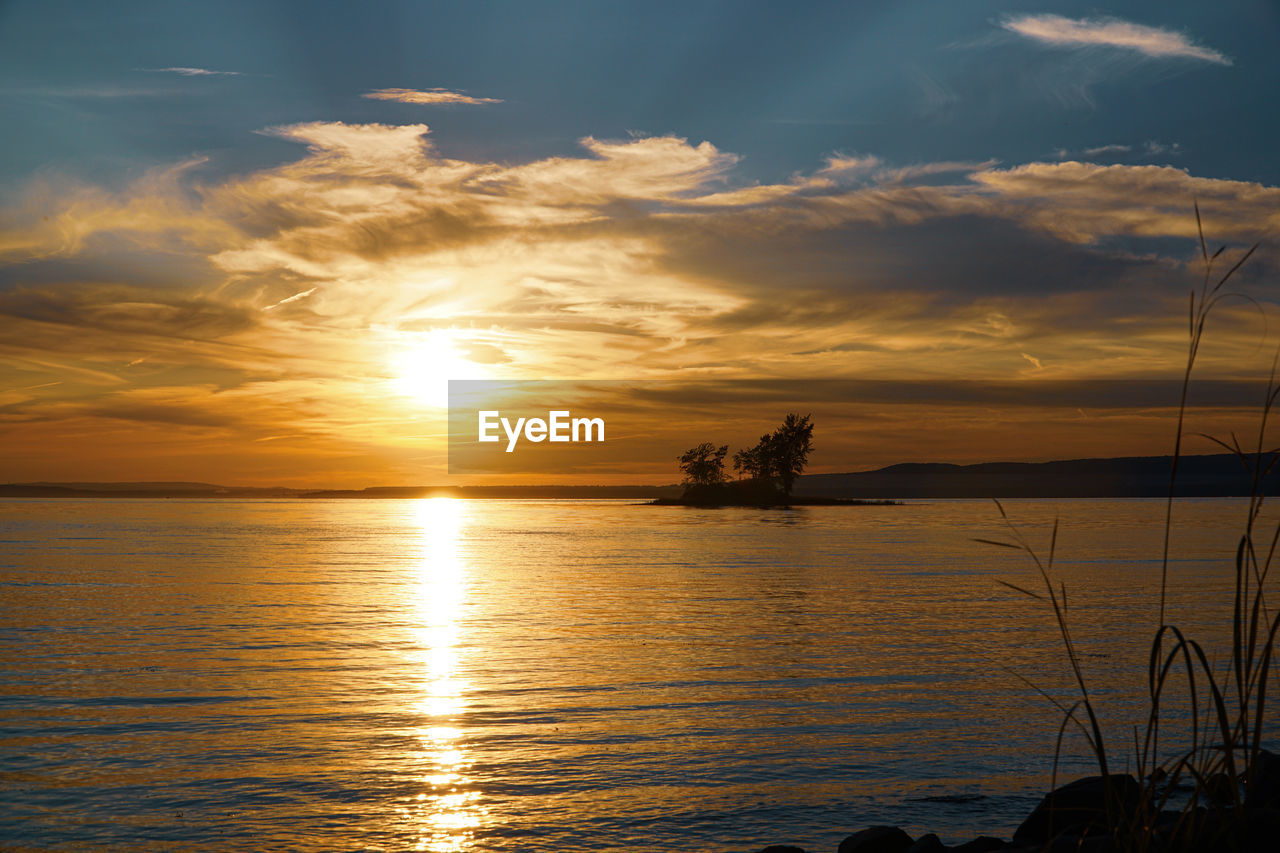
(750, 463)
(780, 456)
(704, 465)
(788, 448)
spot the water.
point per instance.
(571, 676)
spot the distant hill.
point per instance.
(1219, 475)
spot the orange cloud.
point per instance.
(281, 302)
(429, 97)
(1084, 201)
(1111, 32)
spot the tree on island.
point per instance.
(776, 460)
(787, 450)
(766, 472)
(704, 465)
(751, 463)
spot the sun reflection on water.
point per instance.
(446, 813)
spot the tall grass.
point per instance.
(1211, 771)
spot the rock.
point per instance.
(1219, 789)
(1182, 830)
(981, 844)
(1072, 844)
(1087, 844)
(1261, 829)
(781, 848)
(877, 839)
(1086, 806)
(1167, 820)
(928, 844)
(1264, 786)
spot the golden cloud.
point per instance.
(639, 257)
(429, 97)
(1154, 42)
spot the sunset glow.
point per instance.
(279, 293)
(483, 426)
(426, 363)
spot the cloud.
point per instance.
(300, 295)
(125, 311)
(288, 296)
(187, 71)
(1084, 202)
(56, 217)
(1107, 150)
(1153, 42)
(1148, 150)
(175, 414)
(1151, 148)
(429, 97)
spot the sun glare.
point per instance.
(424, 364)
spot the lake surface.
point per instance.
(564, 676)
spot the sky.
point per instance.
(248, 243)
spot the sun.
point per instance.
(424, 363)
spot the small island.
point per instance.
(767, 472)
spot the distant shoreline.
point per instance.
(1218, 475)
(782, 503)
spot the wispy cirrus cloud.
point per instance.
(90, 91)
(301, 295)
(428, 97)
(1147, 150)
(1154, 42)
(189, 71)
(1100, 150)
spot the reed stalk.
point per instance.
(1227, 704)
